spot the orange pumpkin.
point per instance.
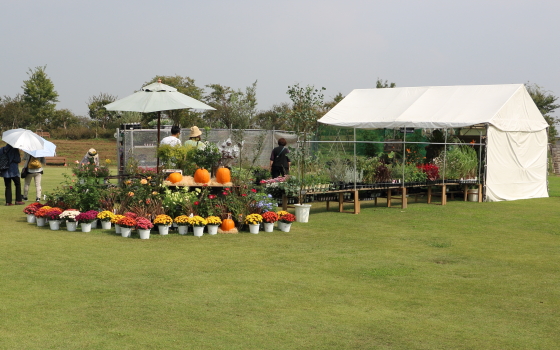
(175, 177)
(227, 224)
(223, 175)
(202, 176)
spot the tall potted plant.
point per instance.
(304, 113)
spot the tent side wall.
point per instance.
(516, 165)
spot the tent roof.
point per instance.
(508, 107)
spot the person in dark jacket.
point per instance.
(279, 160)
(12, 174)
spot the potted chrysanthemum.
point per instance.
(85, 219)
(70, 216)
(163, 222)
(94, 221)
(143, 225)
(285, 221)
(41, 215)
(30, 211)
(182, 222)
(53, 215)
(254, 222)
(127, 224)
(213, 222)
(269, 218)
(198, 223)
(114, 221)
(105, 216)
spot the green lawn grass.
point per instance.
(461, 276)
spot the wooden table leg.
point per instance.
(465, 189)
(444, 194)
(479, 193)
(356, 202)
(429, 194)
(341, 202)
(404, 199)
(284, 202)
(388, 198)
(328, 204)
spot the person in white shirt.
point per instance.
(172, 140)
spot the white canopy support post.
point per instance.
(355, 168)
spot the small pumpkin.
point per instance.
(223, 175)
(175, 177)
(202, 176)
(227, 224)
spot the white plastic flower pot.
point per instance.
(213, 229)
(198, 231)
(254, 229)
(182, 229)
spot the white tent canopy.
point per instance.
(517, 136)
(507, 107)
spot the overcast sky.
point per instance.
(115, 46)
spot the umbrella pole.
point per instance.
(158, 139)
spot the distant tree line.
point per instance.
(35, 108)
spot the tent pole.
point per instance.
(404, 155)
(355, 174)
(444, 155)
(479, 158)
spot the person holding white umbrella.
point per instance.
(34, 170)
(11, 173)
(34, 161)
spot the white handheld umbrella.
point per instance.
(24, 139)
(48, 150)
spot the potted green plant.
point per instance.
(304, 114)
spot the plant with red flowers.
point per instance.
(431, 170)
(131, 214)
(42, 212)
(32, 208)
(287, 218)
(53, 213)
(86, 217)
(270, 217)
(127, 222)
(143, 224)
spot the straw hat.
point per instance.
(92, 152)
(195, 131)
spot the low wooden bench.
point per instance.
(56, 160)
(44, 134)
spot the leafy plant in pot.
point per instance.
(304, 114)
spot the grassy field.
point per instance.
(76, 149)
(462, 276)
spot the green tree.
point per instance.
(274, 118)
(380, 84)
(14, 113)
(306, 105)
(545, 102)
(39, 95)
(63, 119)
(234, 109)
(97, 111)
(187, 86)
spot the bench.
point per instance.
(56, 160)
(44, 134)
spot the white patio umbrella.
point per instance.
(24, 139)
(48, 150)
(156, 97)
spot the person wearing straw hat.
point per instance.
(91, 157)
(194, 139)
